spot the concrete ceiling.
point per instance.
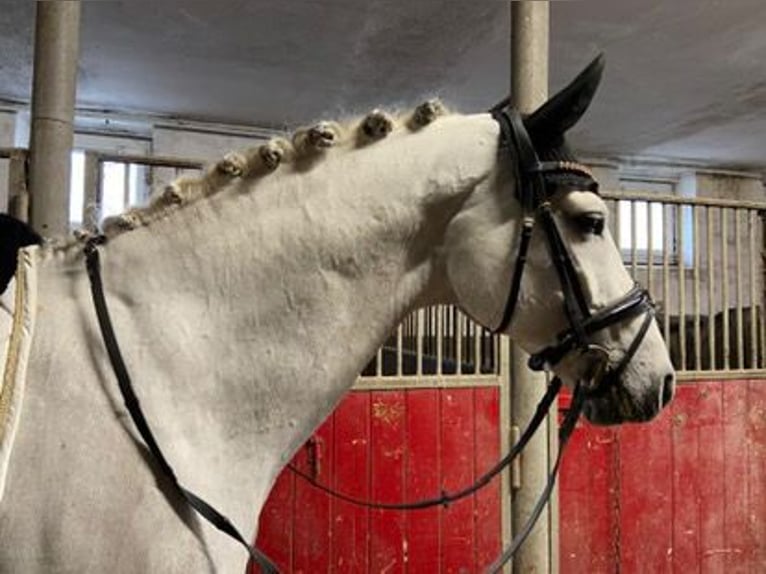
(685, 79)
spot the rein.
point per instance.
(447, 498)
(132, 404)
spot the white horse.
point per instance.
(245, 313)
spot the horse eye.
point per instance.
(590, 223)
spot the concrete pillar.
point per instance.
(57, 38)
(529, 89)
(7, 132)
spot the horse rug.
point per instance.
(18, 306)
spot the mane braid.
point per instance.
(307, 144)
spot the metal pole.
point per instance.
(57, 41)
(529, 89)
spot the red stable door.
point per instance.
(391, 446)
(684, 493)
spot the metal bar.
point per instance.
(678, 200)
(650, 248)
(419, 324)
(681, 286)
(498, 353)
(762, 255)
(666, 274)
(725, 286)
(152, 161)
(633, 241)
(503, 376)
(439, 339)
(399, 350)
(459, 342)
(751, 231)
(738, 287)
(126, 186)
(617, 227)
(696, 288)
(710, 287)
(477, 348)
(727, 375)
(426, 382)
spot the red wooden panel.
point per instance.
(487, 521)
(275, 530)
(686, 495)
(422, 479)
(756, 442)
(457, 472)
(350, 523)
(708, 420)
(691, 487)
(646, 488)
(391, 446)
(312, 508)
(736, 507)
(387, 441)
(588, 498)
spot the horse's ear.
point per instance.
(562, 111)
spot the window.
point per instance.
(77, 188)
(121, 185)
(647, 219)
(640, 221)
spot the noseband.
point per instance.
(536, 183)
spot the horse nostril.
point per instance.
(668, 388)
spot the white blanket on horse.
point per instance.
(17, 320)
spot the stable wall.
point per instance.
(7, 139)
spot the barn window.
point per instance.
(646, 217)
(77, 188)
(121, 184)
(647, 228)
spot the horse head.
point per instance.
(531, 255)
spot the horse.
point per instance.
(247, 301)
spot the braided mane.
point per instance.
(306, 146)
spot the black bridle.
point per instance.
(536, 182)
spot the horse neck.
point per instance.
(253, 311)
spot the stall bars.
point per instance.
(700, 258)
